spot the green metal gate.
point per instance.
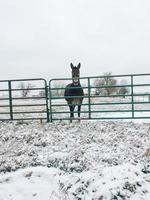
(105, 97)
(24, 99)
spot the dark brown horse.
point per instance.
(74, 92)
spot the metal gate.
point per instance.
(24, 99)
(105, 97)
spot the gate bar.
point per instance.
(10, 100)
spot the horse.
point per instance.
(74, 92)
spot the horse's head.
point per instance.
(75, 73)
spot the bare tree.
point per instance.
(25, 88)
(105, 85)
(123, 90)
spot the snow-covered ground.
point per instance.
(100, 160)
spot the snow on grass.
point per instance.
(101, 160)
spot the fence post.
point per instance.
(47, 107)
(132, 96)
(50, 102)
(10, 100)
(89, 97)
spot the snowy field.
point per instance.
(91, 160)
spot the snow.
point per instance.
(99, 160)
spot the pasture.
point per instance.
(88, 160)
(106, 157)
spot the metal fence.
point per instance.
(105, 97)
(23, 99)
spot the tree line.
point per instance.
(106, 85)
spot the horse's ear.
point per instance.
(71, 65)
(79, 65)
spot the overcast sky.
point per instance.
(39, 38)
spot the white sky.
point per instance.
(39, 38)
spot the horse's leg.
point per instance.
(71, 112)
(79, 109)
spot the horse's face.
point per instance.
(75, 73)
